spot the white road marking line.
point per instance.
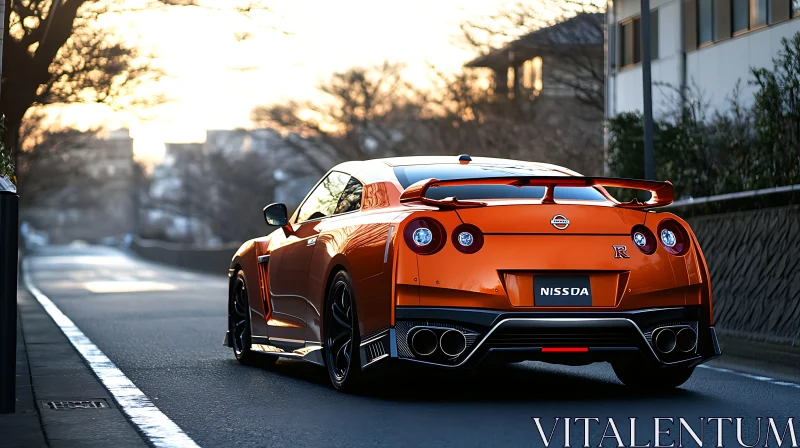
(157, 427)
(765, 379)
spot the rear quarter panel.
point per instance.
(362, 244)
(697, 273)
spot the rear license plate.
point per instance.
(562, 290)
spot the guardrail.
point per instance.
(737, 195)
(212, 260)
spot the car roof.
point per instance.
(378, 170)
(438, 160)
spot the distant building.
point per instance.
(287, 166)
(707, 45)
(284, 176)
(236, 141)
(557, 73)
(564, 61)
(99, 202)
(166, 178)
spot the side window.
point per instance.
(324, 199)
(351, 197)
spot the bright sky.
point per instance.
(214, 81)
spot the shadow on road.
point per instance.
(498, 383)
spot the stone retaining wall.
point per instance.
(754, 259)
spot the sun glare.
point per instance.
(214, 79)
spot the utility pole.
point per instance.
(9, 259)
(647, 94)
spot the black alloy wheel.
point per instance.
(342, 340)
(239, 321)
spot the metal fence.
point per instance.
(737, 195)
(739, 201)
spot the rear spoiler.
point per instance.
(662, 192)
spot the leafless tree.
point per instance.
(465, 117)
(362, 114)
(56, 52)
(226, 195)
(225, 185)
(46, 166)
(370, 112)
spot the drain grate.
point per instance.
(66, 405)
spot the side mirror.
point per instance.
(276, 215)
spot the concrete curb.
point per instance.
(759, 350)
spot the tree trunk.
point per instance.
(24, 72)
(4, 90)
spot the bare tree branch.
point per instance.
(55, 52)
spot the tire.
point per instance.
(651, 378)
(341, 340)
(239, 324)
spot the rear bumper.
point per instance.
(561, 338)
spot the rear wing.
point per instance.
(662, 192)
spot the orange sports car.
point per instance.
(457, 261)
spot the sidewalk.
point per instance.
(23, 428)
(51, 373)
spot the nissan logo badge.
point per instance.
(560, 222)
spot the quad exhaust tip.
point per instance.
(453, 343)
(667, 339)
(450, 342)
(424, 342)
(686, 339)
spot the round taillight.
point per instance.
(643, 239)
(467, 238)
(673, 237)
(424, 236)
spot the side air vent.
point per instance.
(375, 349)
(262, 277)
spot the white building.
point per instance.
(707, 45)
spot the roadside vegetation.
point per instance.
(705, 152)
(6, 166)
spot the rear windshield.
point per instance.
(408, 175)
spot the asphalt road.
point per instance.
(163, 328)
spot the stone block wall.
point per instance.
(754, 260)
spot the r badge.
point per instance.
(621, 252)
